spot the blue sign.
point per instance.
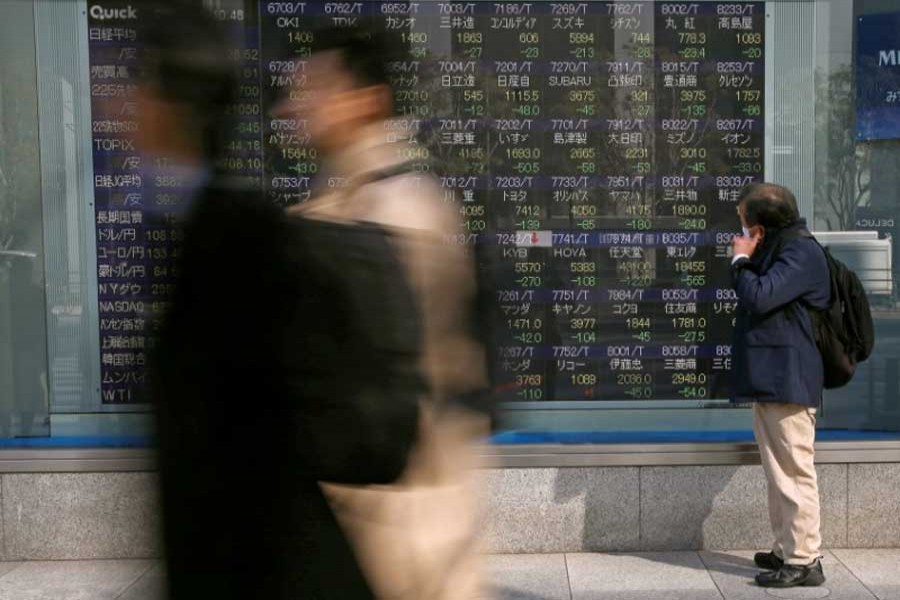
(878, 77)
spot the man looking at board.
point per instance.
(779, 272)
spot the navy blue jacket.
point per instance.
(775, 358)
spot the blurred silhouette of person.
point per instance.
(416, 539)
(259, 372)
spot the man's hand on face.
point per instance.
(745, 245)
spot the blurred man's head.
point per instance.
(767, 206)
(188, 81)
(346, 86)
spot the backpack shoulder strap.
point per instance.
(798, 234)
(795, 234)
(402, 168)
(378, 175)
(789, 236)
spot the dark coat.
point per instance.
(775, 355)
(259, 398)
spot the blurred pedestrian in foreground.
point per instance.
(416, 539)
(260, 394)
(779, 273)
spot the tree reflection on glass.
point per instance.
(843, 166)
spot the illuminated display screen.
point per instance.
(595, 149)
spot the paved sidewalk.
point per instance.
(852, 574)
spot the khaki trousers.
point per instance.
(786, 434)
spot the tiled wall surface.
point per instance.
(678, 508)
(115, 515)
(49, 516)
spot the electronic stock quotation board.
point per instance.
(595, 150)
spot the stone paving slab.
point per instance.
(71, 580)
(645, 576)
(733, 573)
(150, 586)
(528, 577)
(878, 570)
(688, 575)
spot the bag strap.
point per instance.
(388, 172)
(783, 241)
(369, 177)
(814, 313)
(789, 237)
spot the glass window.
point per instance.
(846, 180)
(596, 149)
(49, 348)
(856, 191)
(24, 397)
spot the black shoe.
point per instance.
(768, 561)
(793, 576)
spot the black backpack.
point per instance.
(844, 331)
(481, 314)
